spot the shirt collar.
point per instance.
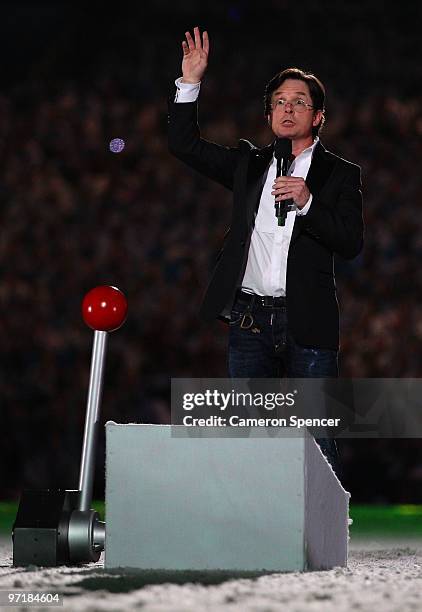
(310, 150)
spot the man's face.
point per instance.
(287, 121)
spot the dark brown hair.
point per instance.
(316, 90)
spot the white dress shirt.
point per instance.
(266, 268)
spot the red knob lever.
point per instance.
(104, 308)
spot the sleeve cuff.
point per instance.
(301, 212)
(186, 92)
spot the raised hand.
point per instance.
(195, 56)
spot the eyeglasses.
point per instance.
(298, 104)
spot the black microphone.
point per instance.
(282, 153)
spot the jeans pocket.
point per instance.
(242, 316)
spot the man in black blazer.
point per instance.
(275, 284)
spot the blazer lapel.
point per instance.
(319, 172)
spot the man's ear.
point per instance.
(269, 120)
(318, 117)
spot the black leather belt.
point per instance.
(267, 301)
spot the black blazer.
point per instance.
(334, 224)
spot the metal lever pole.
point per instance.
(86, 474)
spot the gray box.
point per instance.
(257, 503)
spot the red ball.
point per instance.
(104, 308)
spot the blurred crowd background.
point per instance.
(74, 215)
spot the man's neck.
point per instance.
(298, 146)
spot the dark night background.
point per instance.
(73, 215)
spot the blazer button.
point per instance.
(242, 243)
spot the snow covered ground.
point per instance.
(382, 576)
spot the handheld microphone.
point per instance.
(282, 153)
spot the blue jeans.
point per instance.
(263, 348)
